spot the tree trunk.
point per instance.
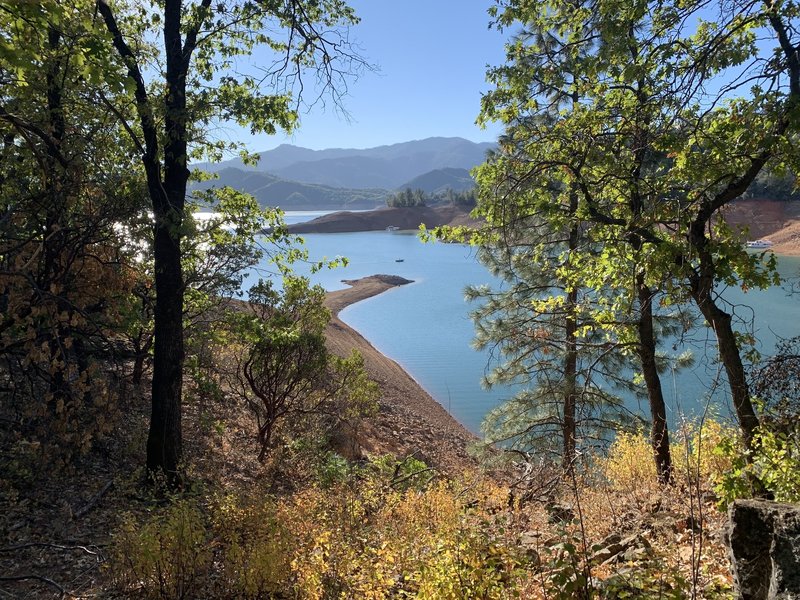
(51, 271)
(571, 357)
(659, 432)
(701, 288)
(570, 383)
(729, 355)
(164, 439)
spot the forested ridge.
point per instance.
(163, 434)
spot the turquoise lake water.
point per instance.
(425, 326)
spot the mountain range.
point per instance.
(299, 178)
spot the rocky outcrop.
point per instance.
(617, 549)
(764, 542)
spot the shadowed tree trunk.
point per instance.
(168, 197)
(304, 33)
(701, 288)
(659, 433)
(721, 323)
(571, 356)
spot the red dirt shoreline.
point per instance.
(409, 421)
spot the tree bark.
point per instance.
(169, 199)
(570, 383)
(701, 288)
(164, 437)
(659, 432)
(55, 226)
(721, 323)
(571, 356)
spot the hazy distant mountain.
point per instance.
(437, 181)
(346, 172)
(381, 167)
(292, 195)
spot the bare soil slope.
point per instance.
(777, 221)
(409, 421)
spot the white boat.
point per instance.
(392, 228)
(759, 244)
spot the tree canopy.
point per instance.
(107, 105)
(631, 126)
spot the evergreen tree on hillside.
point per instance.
(407, 198)
(546, 66)
(547, 346)
(638, 76)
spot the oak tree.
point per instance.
(189, 84)
(661, 136)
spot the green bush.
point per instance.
(166, 556)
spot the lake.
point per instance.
(425, 326)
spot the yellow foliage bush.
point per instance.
(629, 466)
(254, 547)
(696, 455)
(166, 556)
(630, 469)
(356, 539)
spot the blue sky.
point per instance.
(432, 57)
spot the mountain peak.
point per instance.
(385, 167)
(433, 139)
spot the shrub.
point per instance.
(285, 369)
(166, 556)
(774, 465)
(698, 456)
(358, 537)
(629, 467)
(255, 548)
(777, 461)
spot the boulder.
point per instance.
(615, 548)
(559, 513)
(764, 542)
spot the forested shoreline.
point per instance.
(165, 435)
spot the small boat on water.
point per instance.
(392, 228)
(399, 259)
(759, 244)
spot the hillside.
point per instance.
(439, 180)
(377, 220)
(270, 190)
(295, 178)
(778, 221)
(387, 166)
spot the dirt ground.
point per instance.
(777, 221)
(410, 421)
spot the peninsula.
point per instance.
(380, 219)
(409, 421)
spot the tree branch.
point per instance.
(140, 93)
(49, 141)
(190, 42)
(62, 592)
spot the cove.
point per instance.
(426, 328)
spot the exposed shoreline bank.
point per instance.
(379, 219)
(778, 221)
(409, 421)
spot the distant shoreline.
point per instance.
(382, 219)
(409, 421)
